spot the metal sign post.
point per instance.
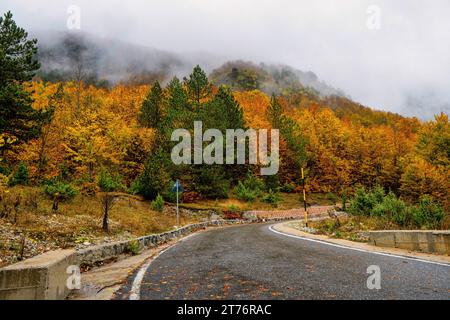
(177, 187)
(178, 211)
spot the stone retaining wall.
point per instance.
(287, 214)
(94, 254)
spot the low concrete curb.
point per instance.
(44, 277)
(429, 241)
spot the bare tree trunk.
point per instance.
(105, 226)
(107, 201)
(55, 205)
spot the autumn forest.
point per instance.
(77, 137)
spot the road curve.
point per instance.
(252, 262)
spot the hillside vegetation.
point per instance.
(97, 127)
(76, 141)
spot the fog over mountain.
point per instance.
(108, 61)
(402, 66)
(112, 60)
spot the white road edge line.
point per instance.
(135, 292)
(358, 249)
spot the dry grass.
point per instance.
(446, 224)
(34, 228)
(81, 217)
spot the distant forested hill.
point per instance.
(271, 79)
(105, 63)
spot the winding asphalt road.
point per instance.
(253, 262)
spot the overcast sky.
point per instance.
(403, 66)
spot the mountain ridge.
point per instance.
(115, 61)
(66, 56)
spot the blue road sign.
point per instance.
(177, 187)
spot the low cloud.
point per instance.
(402, 66)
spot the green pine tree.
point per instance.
(222, 112)
(179, 111)
(198, 85)
(151, 114)
(21, 176)
(275, 112)
(18, 120)
(155, 178)
(229, 109)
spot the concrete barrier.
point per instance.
(429, 241)
(40, 278)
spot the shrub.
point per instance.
(288, 187)
(9, 203)
(135, 187)
(360, 204)
(271, 197)
(253, 183)
(429, 214)
(249, 189)
(376, 195)
(64, 190)
(245, 194)
(132, 248)
(59, 191)
(5, 169)
(109, 183)
(158, 203)
(392, 208)
(31, 200)
(364, 201)
(21, 176)
(338, 234)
